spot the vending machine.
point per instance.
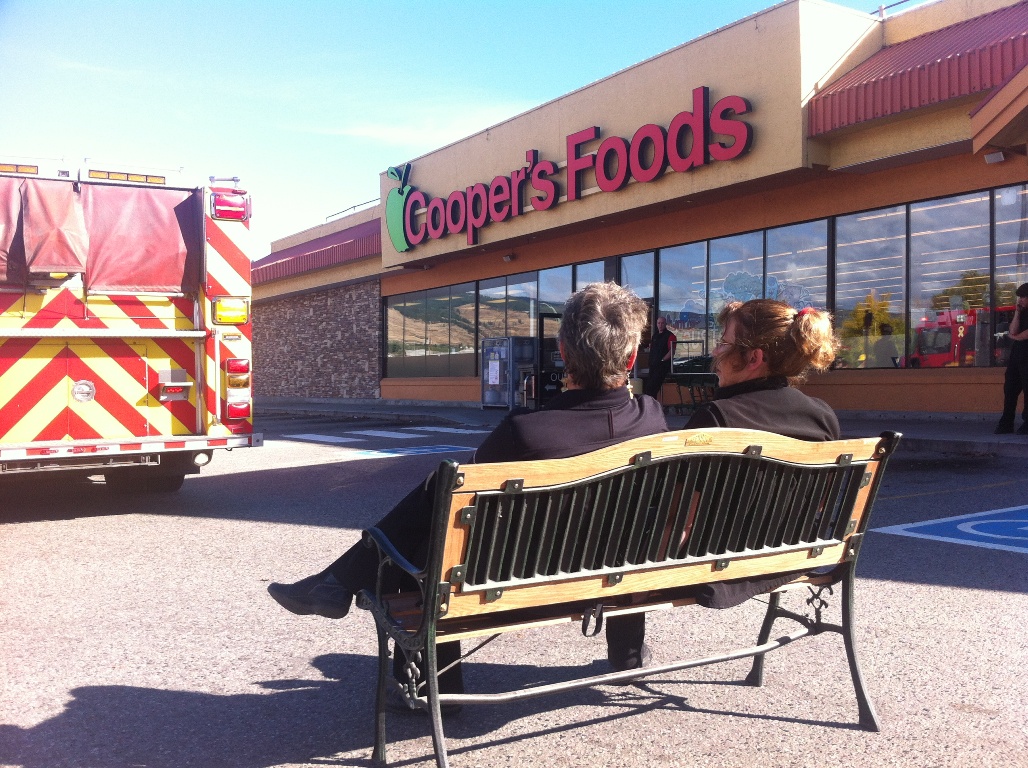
(509, 372)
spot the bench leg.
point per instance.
(756, 675)
(378, 756)
(868, 718)
(434, 711)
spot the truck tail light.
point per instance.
(237, 365)
(231, 311)
(230, 204)
(238, 410)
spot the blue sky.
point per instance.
(307, 101)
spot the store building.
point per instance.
(874, 166)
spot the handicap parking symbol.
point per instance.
(1005, 529)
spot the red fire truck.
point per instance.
(124, 324)
(958, 337)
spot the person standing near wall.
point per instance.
(1016, 380)
(662, 351)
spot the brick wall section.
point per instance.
(323, 344)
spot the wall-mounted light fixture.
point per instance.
(995, 157)
(510, 257)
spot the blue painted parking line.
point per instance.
(1005, 529)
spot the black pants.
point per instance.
(1015, 382)
(408, 526)
(655, 380)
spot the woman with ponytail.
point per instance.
(767, 347)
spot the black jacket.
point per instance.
(575, 422)
(771, 405)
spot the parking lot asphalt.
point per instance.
(966, 434)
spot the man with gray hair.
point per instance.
(599, 337)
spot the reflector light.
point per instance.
(174, 390)
(237, 380)
(237, 365)
(15, 168)
(231, 311)
(122, 176)
(232, 205)
(238, 411)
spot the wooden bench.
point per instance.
(635, 527)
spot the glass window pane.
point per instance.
(1011, 258)
(683, 297)
(492, 309)
(394, 336)
(591, 272)
(554, 289)
(637, 274)
(736, 272)
(414, 336)
(522, 291)
(949, 281)
(797, 264)
(870, 277)
(437, 332)
(462, 330)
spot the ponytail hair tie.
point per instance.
(805, 311)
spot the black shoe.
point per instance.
(320, 594)
(1023, 429)
(622, 662)
(1003, 429)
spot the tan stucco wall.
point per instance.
(947, 124)
(328, 228)
(653, 92)
(928, 17)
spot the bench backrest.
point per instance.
(663, 511)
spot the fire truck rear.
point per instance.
(124, 324)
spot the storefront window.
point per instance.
(870, 250)
(462, 330)
(492, 309)
(554, 289)
(394, 322)
(736, 272)
(437, 332)
(522, 309)
(591, 272)
(412, 307)
(1011, 217)
(683, 297)
(637, 274)
(949, 281)
(797, 264)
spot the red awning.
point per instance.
(357, 242)
(963, 59)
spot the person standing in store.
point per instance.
(662, 350)
(1016, 380)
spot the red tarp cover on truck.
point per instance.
(143, 239)
(12, 253)
(53, 227)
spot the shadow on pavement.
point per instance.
(297, 722)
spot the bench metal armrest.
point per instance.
(387, 552)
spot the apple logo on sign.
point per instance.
(396, 204)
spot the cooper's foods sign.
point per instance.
(692, 139)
